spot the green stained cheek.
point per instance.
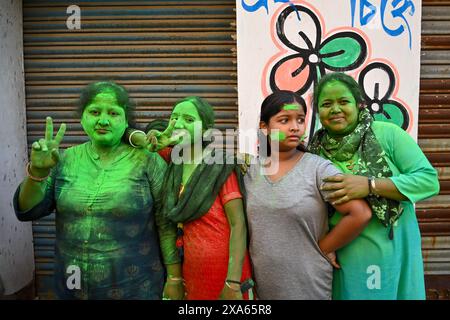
(88, 125)
(303, 137)
(291, 107)
(278, 136)
(117, 131)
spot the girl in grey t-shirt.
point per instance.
(291, 250)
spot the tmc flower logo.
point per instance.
(342, 51)
(307, 52)
(377, 94)
(299, 30)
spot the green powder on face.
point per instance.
(291, 107)
(278, 136)
(104, 113)
(303, 137)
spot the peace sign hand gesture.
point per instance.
(159, 140)
(44, 153)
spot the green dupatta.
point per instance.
(371, 162)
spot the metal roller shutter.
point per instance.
(434, 139)
(160, 51)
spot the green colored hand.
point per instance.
(159, 140)
(45, 152)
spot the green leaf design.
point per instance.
(345, 52)
(395, 114)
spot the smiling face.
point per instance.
(338, 110)
(103, 120)
(286, 127)
(187, 119)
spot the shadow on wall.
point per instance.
(27, 293)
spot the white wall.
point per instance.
(16, 247)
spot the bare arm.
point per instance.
(348, 187)
(44, 156)
(32, 192)
(237, 247)
(387, 189)
(357, 215)
(154, 140)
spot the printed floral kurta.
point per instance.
(372, 266)
(106, 224)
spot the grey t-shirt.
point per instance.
(286, 219)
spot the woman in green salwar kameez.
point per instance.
(105, 194)
(384, 165)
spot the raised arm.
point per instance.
(44, 156)
(154, 140)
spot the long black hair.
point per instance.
(272, 105)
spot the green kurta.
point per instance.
(372, 266)
(106, 224)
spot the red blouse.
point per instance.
(206, 245)
(206, 248)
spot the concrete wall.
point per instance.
(16, 247)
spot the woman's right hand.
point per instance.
(332, 258)
(173, 290)
(159, 140)
(45, 152)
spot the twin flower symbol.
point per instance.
(344, 50)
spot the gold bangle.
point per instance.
(177, 279)
(29, 175)
(372, 186)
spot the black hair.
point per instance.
(90, 91)
(157, 124)
(347, 80)
(272, 105)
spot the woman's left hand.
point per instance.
(346, 187)
(174, 290)
(230, 294)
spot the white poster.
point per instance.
(290, 45)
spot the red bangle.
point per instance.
(29, 175)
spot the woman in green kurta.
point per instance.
(384, 165)
(106, 194)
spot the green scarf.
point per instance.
(199, 193)
(371, 162)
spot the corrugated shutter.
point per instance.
(160, 51)
(434, 139)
